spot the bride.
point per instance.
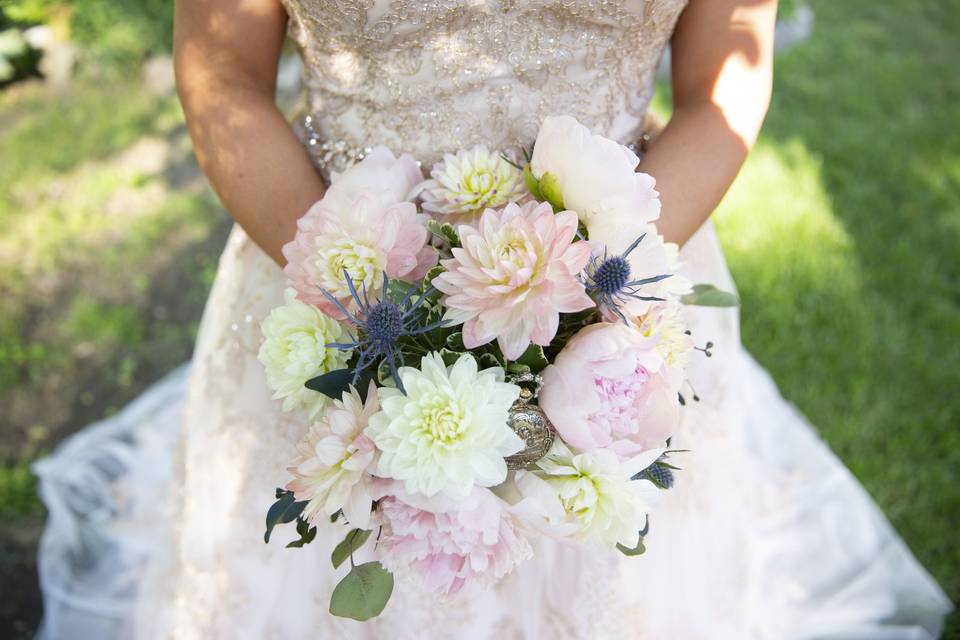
(766, 534)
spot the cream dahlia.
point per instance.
(449, 432)
(330, 471)
(469, 182)
(514, 275)
(294, 351)
(589, 493)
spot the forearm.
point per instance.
(225, 56)
(694, 160)
(722, 76)
(253, 160)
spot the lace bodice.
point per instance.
(429, 76)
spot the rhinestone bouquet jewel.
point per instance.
(486, 356)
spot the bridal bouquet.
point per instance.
(490, 355)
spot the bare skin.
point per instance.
(226, 54)
(722, 76)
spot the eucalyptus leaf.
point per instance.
(363, 593)
(353, 541)
(307, 534)
(707, 295)
(285, 509)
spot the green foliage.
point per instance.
(285, 509)
(444, 231)
(306, 533)
(363, 593)
(18, 490)
(707, 295)
(350, 543)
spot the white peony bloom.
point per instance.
(595, 176)
(294, 351)
(449, 432)
(330, 471)
(471, 181)
(588, 496)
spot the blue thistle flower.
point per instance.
(380, 326)
(609, 280)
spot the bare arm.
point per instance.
(226, 54)
(722, 66)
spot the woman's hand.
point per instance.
(226, 54)
(722, 74)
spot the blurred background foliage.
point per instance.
(842, 234)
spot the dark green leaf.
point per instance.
(516, 367)
(353, 541)
(449, 357)
(455, 342)
(332, 384)
(363, 593)
(285, 509)
(534, 358)
(487, 360)
(307, 534)
(707, 295)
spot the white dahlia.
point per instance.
(471, 181)
(294, 351)
(590, 494)
(330, 471)
(449, 432)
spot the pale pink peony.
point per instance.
(362, 236)
(610, 388)
(448, 543)
(513, 277)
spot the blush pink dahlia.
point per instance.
(449, 543)
(363, 237)
(513, 277)
(610, 388)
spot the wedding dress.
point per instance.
(765, 535)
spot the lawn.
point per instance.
(842, 233)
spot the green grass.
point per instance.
(842, 233)
(105, 260)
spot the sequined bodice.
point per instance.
(425, 77)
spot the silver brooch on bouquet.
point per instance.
(529, 422)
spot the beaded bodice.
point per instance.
(430, 76)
